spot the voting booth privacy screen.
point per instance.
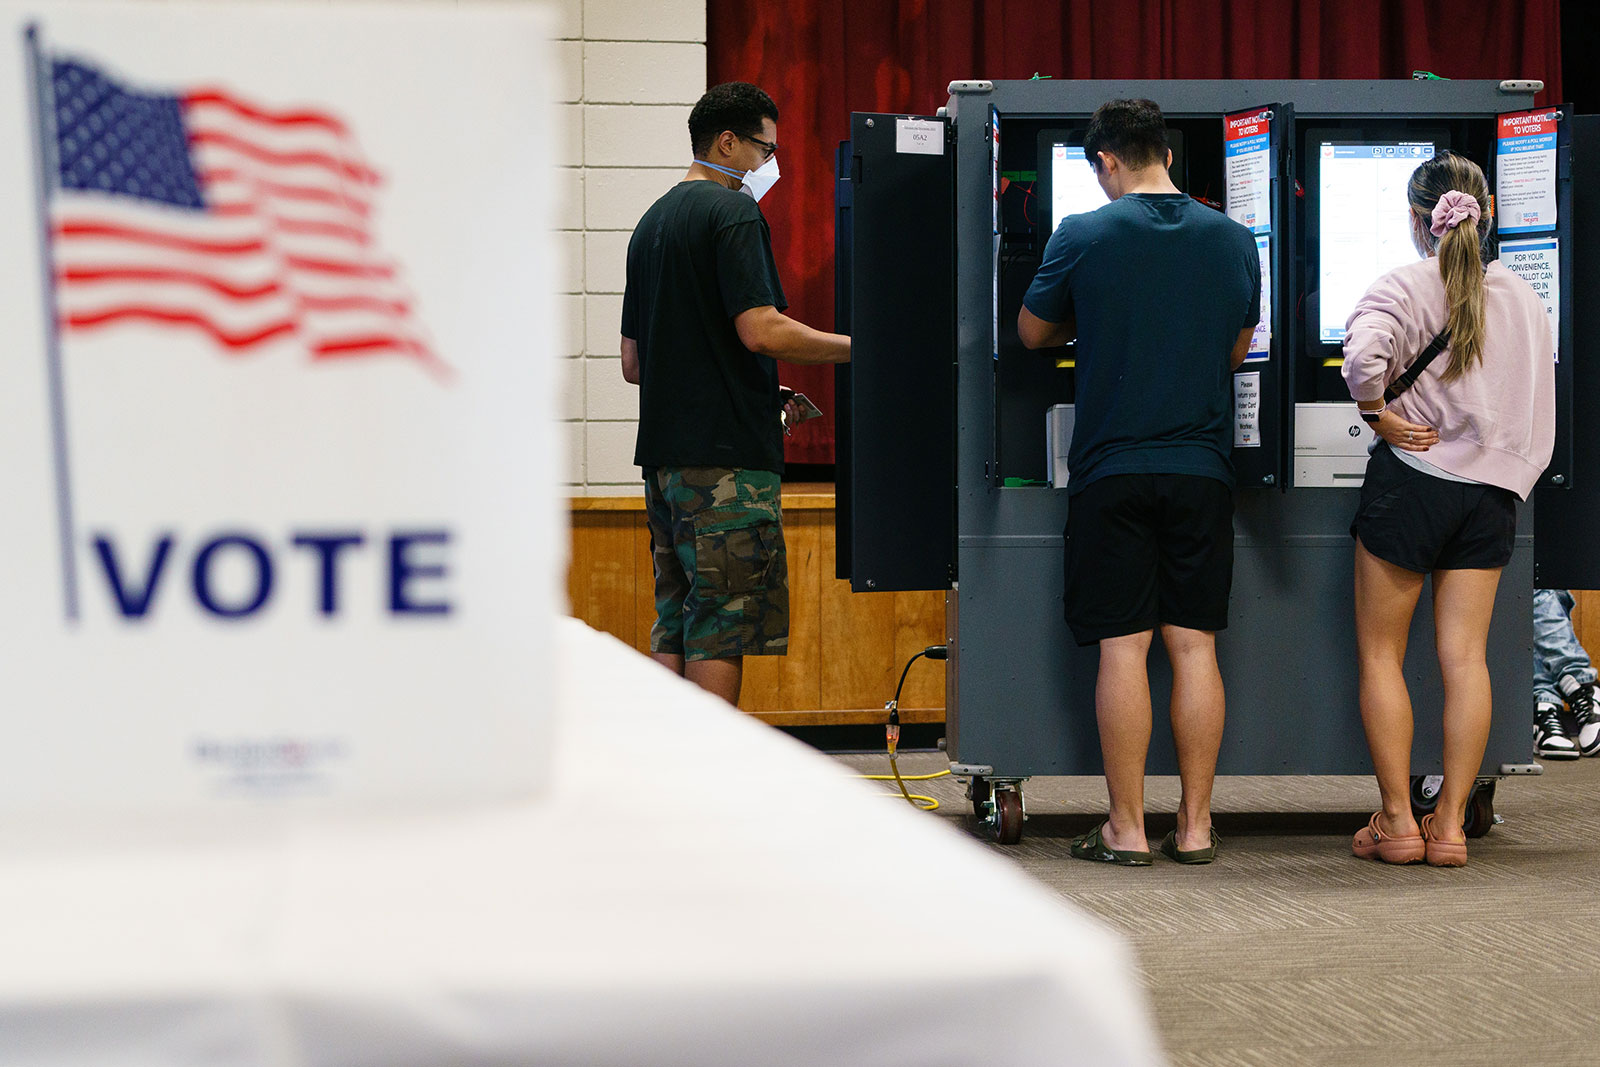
(275, 405)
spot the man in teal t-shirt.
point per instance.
(1162, 295)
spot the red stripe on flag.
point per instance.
(310, 227)
(342, 168)
(351, 346)
(342, 268)
(75, 228)
(163, 274)
(322, 229)
(347, 347)
(87, 320)
(289, 191)
(397, 308)
(223, 99)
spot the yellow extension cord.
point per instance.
(901, 780)
(893, 742)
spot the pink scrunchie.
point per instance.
(1451, 209)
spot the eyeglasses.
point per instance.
(767, 147)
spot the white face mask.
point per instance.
(757, 183)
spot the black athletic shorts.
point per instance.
(1423, 523)
(1146, 549)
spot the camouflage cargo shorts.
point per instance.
(722, 578)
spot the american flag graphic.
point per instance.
(203, 211)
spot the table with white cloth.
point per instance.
(693, 888)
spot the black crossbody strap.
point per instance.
(1413, 372)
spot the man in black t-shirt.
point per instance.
(702, 323)
(1162, 295)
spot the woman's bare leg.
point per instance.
(1386, 598)
(1463, 604)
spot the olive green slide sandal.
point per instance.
(1092, 846)
(1170, 849)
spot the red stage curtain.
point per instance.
(822, 59)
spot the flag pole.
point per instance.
(43, 109)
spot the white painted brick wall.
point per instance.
(569, 19)
(636, 135)
(630, 72)
(612, 195)
(572, 385)
(574, 442)
(570, 242)
(569, 186)
(569, 84)
(573, 326)
(569, 143)
(606, 395)
(605, 260)
(644, 20)
(602, 332)
(609, 455)
(633, 72)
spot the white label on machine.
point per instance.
(1538, 262)
(921, 137)
(1247, 410)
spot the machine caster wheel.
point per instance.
(1480, 809)
(1425, 793)
(1480, 804)
(1006, 828)
(980, 792)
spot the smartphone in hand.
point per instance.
(803, 404)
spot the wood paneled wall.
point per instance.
(1586, 620)
(846, 650)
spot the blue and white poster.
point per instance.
(1538, 262)
(1261, 340)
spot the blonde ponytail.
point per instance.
(1460, 252)
(1461, 266)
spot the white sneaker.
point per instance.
(1581, 699)
(1550, 740)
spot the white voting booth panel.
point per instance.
(641, 914)
(276, 404)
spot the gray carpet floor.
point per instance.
(1288, 950)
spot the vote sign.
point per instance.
(276, 404)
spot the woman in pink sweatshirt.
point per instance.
(1457, 450)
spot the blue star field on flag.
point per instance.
(114, 141)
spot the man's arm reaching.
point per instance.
(769, 332)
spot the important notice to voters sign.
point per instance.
(1525, 172)
(1247, 149)
(276, 404)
